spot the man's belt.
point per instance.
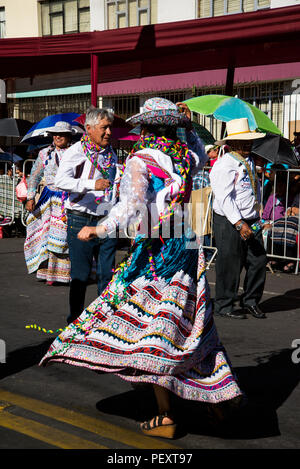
(85, 214)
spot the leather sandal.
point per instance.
(155, 427)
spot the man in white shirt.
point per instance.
(236, 211)
(87, 172)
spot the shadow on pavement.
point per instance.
(285, 302)
(266, 385)
(23, 358)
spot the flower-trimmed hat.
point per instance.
(158, 111)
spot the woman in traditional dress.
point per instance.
(154, 322)
(45, 248)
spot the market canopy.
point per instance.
(263, 37)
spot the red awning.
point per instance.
(249, 39)
(205, 78)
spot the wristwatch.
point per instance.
(239, 226)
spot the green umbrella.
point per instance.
(226, 108)
(204, 134)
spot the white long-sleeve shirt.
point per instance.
(77, 175)
(233, 194)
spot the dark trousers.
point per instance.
(81, 256)
(233, 255)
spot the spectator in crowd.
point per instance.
(284, 236)
(236, 211)
(19, 170)
(275, 206)
(46, 248)
(296, 144)
(87, 172)
(213, 152)
(269, 171)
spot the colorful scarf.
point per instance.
(92, 151)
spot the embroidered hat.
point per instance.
(61, 127)
(238, 129)
(160, 111)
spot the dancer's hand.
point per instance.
(30, 204)
(183, 107)
(87, 233)
(101, 184)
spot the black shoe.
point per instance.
(255, 311)
(238, 314)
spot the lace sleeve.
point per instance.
(35, 178)
(132, 205)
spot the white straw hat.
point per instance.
(61, 127)
(238, 129)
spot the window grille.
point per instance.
(35, 109)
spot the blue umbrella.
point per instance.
(12, 157)
(38, 132)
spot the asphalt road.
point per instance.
(62, 406)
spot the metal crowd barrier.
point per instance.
(286, 254)
(10, 207)
(202, 217)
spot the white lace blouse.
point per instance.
(138, 197)
(45, 166)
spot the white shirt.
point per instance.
(77, 175)
(233, 194)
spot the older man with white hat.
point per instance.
(237, 224)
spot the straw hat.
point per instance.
(61, 127)
(158, 111)
(238, 129)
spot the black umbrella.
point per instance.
(204, 134)
(10, 127)
(276, 149)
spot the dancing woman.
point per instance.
(154, 323)
(46, 248)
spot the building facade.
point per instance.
(275, 89)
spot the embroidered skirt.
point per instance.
(46, 248)
(153, 326)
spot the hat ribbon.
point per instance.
(238, 133)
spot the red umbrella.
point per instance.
(133, 138)
(120, 127)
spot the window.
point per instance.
(2, 22)
(124, 13)
(65, 16)
(207, 8)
